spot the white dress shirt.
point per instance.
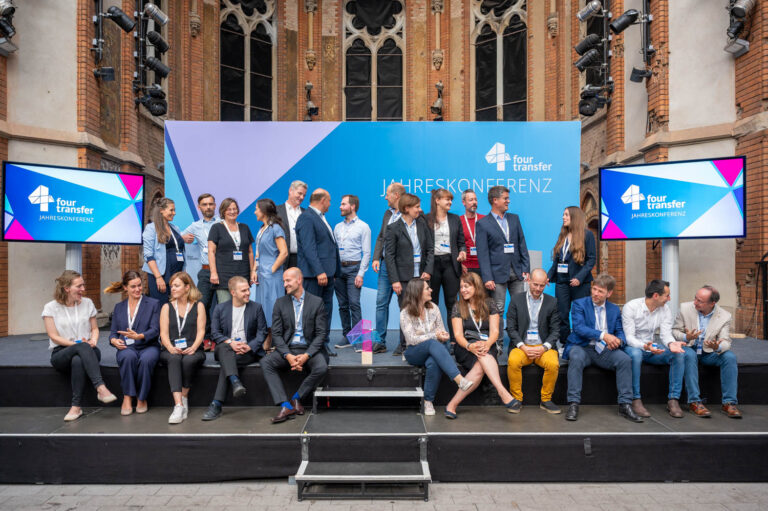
(322, 217)
(640, 324)
(293, 215)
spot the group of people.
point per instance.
(275, 299)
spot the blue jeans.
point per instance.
(729, 374)
(677, 361)
(348, 296)
(383, 297)
(614, 360)
(436, 358)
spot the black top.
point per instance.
(190, 325)
(171, 246)
(226, 266)
(470, 331)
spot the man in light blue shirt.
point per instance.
(198, 232)
(354, 239)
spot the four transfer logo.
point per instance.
(633, 196)
(42, 197)
(498, 156)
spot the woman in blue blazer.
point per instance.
(135, 329)
(163, 249)
(573, 258)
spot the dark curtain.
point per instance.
(232, 71)
(261, 75)
(485, 75)
(250, 5)
(374, 14)
(358, 87)
(515, 72)
(389, 71)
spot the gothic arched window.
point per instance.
(247, 73)
(499, 60)
(373, 60)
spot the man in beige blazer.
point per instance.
(705, 327)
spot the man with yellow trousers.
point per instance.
(533, 325)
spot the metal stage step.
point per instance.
(370, 480)
(371, 394)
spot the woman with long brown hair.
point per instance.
(422, 327)
(271, 253)
(476, 328)
(163, 249)
(573, 258)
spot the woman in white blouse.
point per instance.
(70, 321)
(422, 326)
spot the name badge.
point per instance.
(416, 258)
(180, 343)
(180, 257)
(533, 335)
(445, 246)
(78, 341)
(129, 341)
(599, 346)
(655, 346)
(473, 251)
(341, 249)
(562, 268)
(509, 248)
(237, 255)
(699, 350)
(296, 337)
(483, 337)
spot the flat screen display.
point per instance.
(674, 200)
(44, 203)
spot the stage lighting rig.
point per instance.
(592, 8)
(595, 54)
(7, 30)
(157, 41)
(149, 15)
(437, 106)
(739, 11)
(154, 12)
(312, 109)
(154, 100)
(120, 18)
(593, 98)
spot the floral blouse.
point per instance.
(417, 330)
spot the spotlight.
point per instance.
(588, 107)
(587, 43)
(7, 8)
(737, 47)
(6, 28)
(152, 11)
(742, 8)
(157, 66)
(7, 47)
(591, 91)
(437, 106)
(105, 74)
(118, 16)
(154, 101)
(638, 75)
(586, 60)
(735, 28)
(589, 10)
(311, 107)
(625, 20)
(157, 41)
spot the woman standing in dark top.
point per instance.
(475, 322)
(163, 249)
(182, 328)
(230, 250)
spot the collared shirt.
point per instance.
(640, 324)
(503, 224)
(293, 215)
(322, 216)
(534, 306)
(354, 239)
(442, 238)
(703, 324)
(414, 235)
(200, 229)
(600, 320)
(238, 323)
(298, 309)
(395, 215)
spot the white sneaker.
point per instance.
(177, 416)
(429, 408)
(465, 384)
(185, 404)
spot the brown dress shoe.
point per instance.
(731, 411)
(637, 406)
(284, 415)
(699, 409)
(296, 404)
(673, 407)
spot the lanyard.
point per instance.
(566, 246)
(297, 315)
(262, 231)
(504, 227)
(75, 327)
(471, 231)
(235, 241)
(135, 313)
(472, 315)
(173, 237)
(179, 322)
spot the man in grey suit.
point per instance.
(298, 334)
(289, 213)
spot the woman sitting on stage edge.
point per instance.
(475, 323)
(135, 328)
(422, 326)
(182, 328)
(70, 321)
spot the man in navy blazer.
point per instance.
(501, 250)
(238, 328)
(319, 259)
(298, 333)
(596, 338)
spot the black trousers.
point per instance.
(182, 368)
(80, 360)
(326, 293)
(274, 363)
(293, 261)
(400, 298)
(444, 276)
(207, 292)
(230, 361)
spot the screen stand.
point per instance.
(670, 271)
(74, 257)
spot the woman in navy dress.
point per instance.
(271, 254)
(134, 333)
